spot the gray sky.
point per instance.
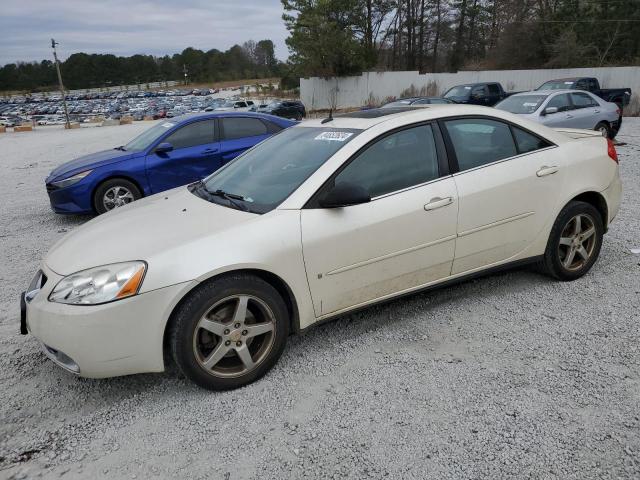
(126, 27)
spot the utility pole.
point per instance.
(64, 99)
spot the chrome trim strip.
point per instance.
(390, 255)
(495, 224)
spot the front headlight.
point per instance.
(67, 182)
(100, 285)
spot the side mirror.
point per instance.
(163, 147)
(345, 194)
(550, 110)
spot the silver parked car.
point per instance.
(565, 108)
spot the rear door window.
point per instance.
(239, 127)
(582, 100)
(528, 142)
(479, 141)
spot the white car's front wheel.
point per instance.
(229, 332)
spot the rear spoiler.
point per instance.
(577, 133)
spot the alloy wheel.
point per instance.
(116, 196)
(577, 242)
(234, 336)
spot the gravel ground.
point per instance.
(509, 376)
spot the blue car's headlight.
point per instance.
(67, 182)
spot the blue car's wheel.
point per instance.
(115, 193)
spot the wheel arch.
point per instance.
(271, 278)
(597, 201)
(114, 177)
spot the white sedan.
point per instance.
(319, 220)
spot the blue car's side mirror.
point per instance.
(163, 147)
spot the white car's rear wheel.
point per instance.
(229, 332)
(575, 241)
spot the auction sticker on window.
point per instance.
(334, 136)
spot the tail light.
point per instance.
(611, 150)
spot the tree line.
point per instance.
(81, 70)
(343, 37)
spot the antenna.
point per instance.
(329, 118)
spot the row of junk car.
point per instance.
(139, 105)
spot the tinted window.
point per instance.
(148, 137)
(527, 142)
(561, 102)
(197, 133)
(582, 100)
(494, 89)
(479, 90)
(478, 142)
(581, 85)
(242, 127)
(439, 101)
(593, 84)
(272, 127)
(397, 161)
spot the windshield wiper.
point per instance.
(121, 147)
(231, 197)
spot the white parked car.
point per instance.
(565, 108)
(319, 220)
(235, 105)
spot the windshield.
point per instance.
(556, 85)
(521, 103)
(228, 104)
(148, 137)
(459, 91)
(266, 175)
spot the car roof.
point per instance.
(572, 79)
(365, 119)
(214, 114)
(544, 92)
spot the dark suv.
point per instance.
(287, 109)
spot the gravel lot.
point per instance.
(509, 376)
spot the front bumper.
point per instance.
(75, 199)
(118, 338)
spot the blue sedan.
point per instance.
(175, 152)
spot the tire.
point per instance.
(120, 190)
(605, 128)
(557, 260)
(215, 357)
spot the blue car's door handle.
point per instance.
(209, 151)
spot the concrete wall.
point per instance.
(375, 87)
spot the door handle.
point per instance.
(544, 171)
(569, 115)
(596, 111)
(438, 202)
(209, 151)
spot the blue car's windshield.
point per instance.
(266, 175)
(148, 137)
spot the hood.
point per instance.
(87, 162)
(142, 230)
